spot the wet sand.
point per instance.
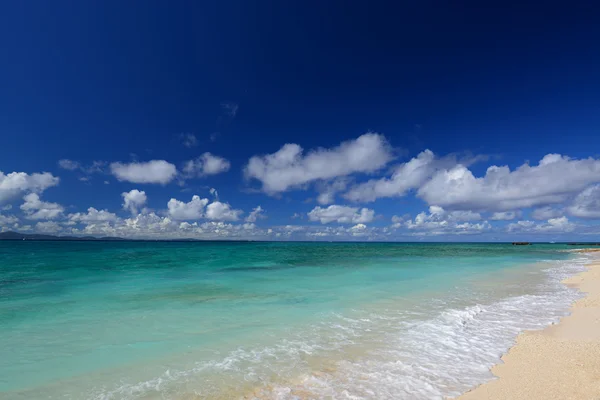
(559, 362)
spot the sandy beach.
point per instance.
(559, 362)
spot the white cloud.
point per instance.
(155, 171)
(134, 200)
(92, 216)
(504, 215)
(189, 140)
(206, 164)
(47, 227)
(459, 215)
(561, 224)
(178, 210)
(6, 207)
(587, 203)
(22, 228)
(16, 183)
(8, 220)
(553, 225)
(341, 214)
(199, 208)
(545, 213)
(406, 176)
(255, 214)
(358, 230)
(288, 168)
(520, 226)
(222, 212)
(397, 221)
(552, 181)
(328, 190)
(141, 225)
(69, 165)
(440, 221)
(34, 208)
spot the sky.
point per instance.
(301, 120)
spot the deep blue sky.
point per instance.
(121, 82)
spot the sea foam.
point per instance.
(434, 351)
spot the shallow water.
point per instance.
(137, 320)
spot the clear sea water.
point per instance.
(148, 320)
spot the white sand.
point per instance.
(560, 362)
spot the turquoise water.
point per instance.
(143, 320)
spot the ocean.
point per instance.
(239, 320)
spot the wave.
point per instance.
(434, 351)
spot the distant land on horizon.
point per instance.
(11, 235)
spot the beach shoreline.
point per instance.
(561, 361)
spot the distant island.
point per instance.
(10, 235)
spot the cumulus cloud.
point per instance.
(587, 203)
(222, 212)
(16, 183)
(358, 230)
(93, 216)
(341, 214)
(553, 180)
(255, 214)
(406, 176)
(338, 232)
(178, 210)
(206, 164)
(148, 223)
(35, 208)
(8, 220)
(553, 225)
(155, 171)
(397, 221)
(440, 221)
(328, 190)
(199, 208)
(134, 200)
(289, 168)
(47, 227)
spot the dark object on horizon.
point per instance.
(583, 244)
(521, 243)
